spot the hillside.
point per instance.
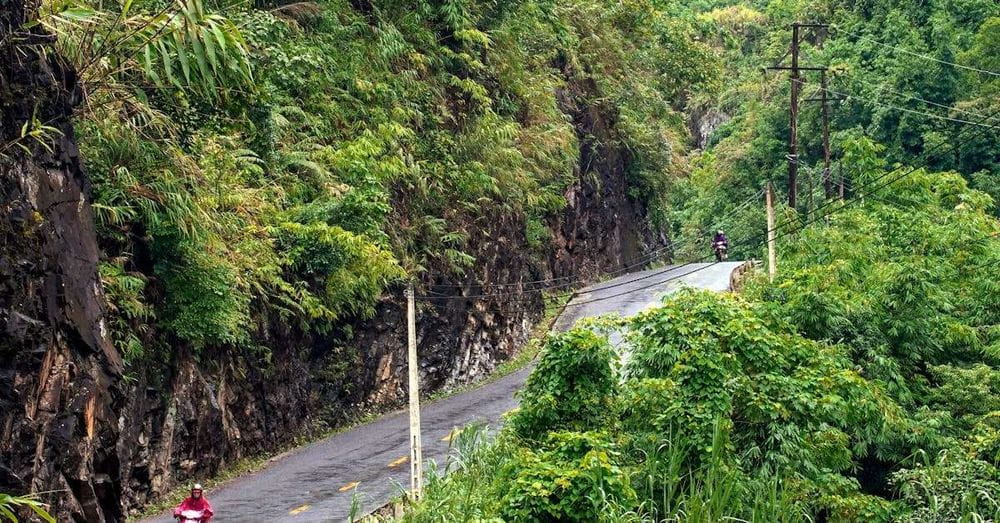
(211, 209)
(252, 186)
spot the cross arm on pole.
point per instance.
(791, 68)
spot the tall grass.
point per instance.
(671, 489)
(467, 488)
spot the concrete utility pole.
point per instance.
(416, 459)
(772, 257)
(793, 109)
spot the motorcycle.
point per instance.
(191, 516)
(721, 252)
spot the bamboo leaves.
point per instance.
(208, 49)
(181, 47)
(8, 504)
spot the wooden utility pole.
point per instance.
(772, 257)
(793, 109)
(793, 121)
(810, 204)
(825, 100)
(827, 183)
(416, 459)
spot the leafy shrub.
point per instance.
(353, 270)
(967, 393)
(573, 479)
(204, 303)
(789, 402)
(571, 388)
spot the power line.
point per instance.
(912, 111)
(625, 269)
(914, 169)
(757, 239)
(926, 154)
(620, 271)
(844, 204)
(829, 202)
(777, 228)
(885, 87)
(907, 51)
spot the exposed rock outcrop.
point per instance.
(59, 393)
(602, 227)
(703, 121)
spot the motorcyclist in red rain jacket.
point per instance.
(197, 502)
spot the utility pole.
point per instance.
(810, 205)
(772, 257)
(827, 185)
(416, 460)
(840, 171)
(793, 121)
(793, 109)
(825, 100)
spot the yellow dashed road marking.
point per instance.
(348, 486)
(399, 461)
(451, 435)
(299, 510)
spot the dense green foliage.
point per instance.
(882, 64)
(293, 161)
(299, 159)
(860, 385)
(572, 388)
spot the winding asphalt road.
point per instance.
(318, 481)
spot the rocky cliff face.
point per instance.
(602, 227)
(703, 121)
(70, 422)
(59, 383)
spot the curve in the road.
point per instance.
(318, 482)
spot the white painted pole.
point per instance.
(416, 460)
(772, 257)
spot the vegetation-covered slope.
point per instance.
(362, 143)
(265, 177)
(908, 75)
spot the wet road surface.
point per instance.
(318, 481)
